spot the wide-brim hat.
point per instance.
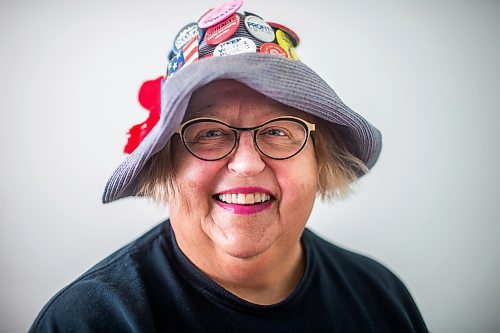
(285, 80)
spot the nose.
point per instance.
(246, 159)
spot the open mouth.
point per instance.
(246, 199)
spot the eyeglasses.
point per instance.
(211, 139)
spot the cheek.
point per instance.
(299, 184)
(194, 183)
(191, 201)
(192, 174)
(299, 190)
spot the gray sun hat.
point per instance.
(219, 52)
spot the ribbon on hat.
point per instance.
(150, 99)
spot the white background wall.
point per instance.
(425, 72)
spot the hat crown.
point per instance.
(222, 31)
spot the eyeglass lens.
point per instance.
(211, 140)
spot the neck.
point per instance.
(262, 279)
(266, 278)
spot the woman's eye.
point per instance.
(274, 132)
(211, 133)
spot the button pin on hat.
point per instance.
(294, 37)
(273, 49)
(219, 13)
(222, 31)
(285, 41)
(184, 36)
(175, 64)
(234, 46)
(258, 28)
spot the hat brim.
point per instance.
(287, 81)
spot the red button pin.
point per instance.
(274, 49)
(222, 31)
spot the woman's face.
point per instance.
(201, 221)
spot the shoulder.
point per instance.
(362, 280)
(105, 298)
(365, 288)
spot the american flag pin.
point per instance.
(185, 35)
(190, 51)
(175, 64)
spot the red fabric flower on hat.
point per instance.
(150, 99)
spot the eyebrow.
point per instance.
(200, 112)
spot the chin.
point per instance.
(244, 244)
(245, 251)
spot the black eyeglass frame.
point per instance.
(309, 127)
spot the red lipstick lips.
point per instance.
(244, 200)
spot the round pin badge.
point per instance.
(285, 41)
(258, 28)
(219, 13)
(234, 46)
(273, 49)
(185, 35)
(175, 64)
(295, 37)
(205, 13)
(222, 31)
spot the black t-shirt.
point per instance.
(151, 286)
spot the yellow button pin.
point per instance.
(286, 43)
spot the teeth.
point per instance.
(244, 198)
(250, 199)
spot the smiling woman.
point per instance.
(221, 233)
(247, 138)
